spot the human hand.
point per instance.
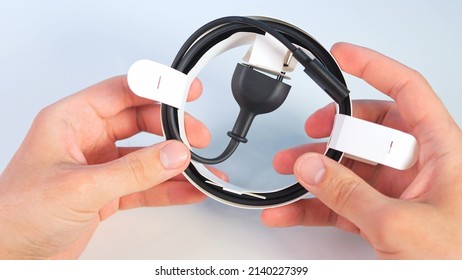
(403, 214)
(68, 175)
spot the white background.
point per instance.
(50, 49)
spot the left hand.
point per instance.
(68, 175)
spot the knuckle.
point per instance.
(44, 115)
(136, 167)
(392, 218)
(419, 78)
(417, 75)
(344, 192)
(332, 218)
(414, 77)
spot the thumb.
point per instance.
(139, 170)
(339, 189)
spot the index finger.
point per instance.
(112, 96)
(416, 100)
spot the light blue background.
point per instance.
(50, 49)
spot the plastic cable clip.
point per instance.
(373, 143)
(155, 81)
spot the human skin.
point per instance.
(69, 174)
(411, 214)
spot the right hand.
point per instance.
(415, 213)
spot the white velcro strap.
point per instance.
(155, 81)
(373, 143)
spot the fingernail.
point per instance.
(173, 155)
(310, 169)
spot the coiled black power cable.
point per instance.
(323, 70)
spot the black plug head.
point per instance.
(256, 93)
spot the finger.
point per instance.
(320, 123)
(112, 96)
(123, 151)
(340, 189)
(135, 172)
(147, 118)
(165, 194)
(195, 90)
(283, 161)
(219, 173)
(197, 133)
(305, 212)
(415, 98)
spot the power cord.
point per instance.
(256, 93)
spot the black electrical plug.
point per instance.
(256, 93)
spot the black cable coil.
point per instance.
(196, 46)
